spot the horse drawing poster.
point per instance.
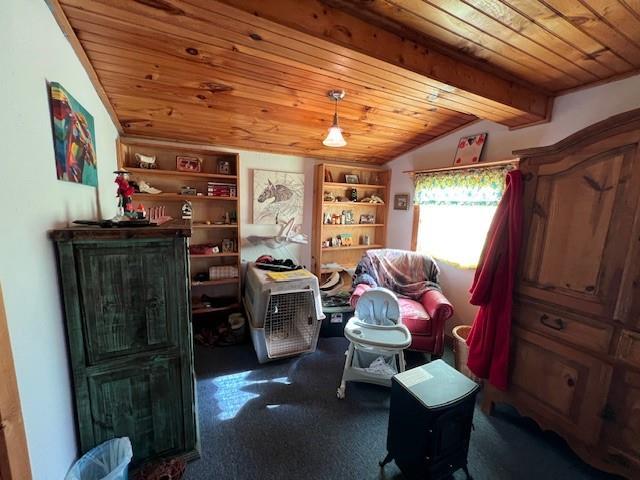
(73, 138)
(278, 197)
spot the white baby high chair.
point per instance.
(376, 340)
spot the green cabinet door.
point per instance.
(128, 324)
(129, 298)
(142, 402)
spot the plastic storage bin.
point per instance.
(335, 320)
(461, 350)
(108, 461)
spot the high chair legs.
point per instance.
(347, 363)
(401, 362)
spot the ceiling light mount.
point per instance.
(336, 95)
(334, 136)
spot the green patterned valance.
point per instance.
(476, 186)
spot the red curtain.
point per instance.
(492, 288)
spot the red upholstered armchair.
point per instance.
(425, 318)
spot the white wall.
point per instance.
(571, 113)
(250, 161)
(33, 201)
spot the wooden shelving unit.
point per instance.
(206, 210)
(330, 178)
(177, 174)
(354, 204)
(222, 281)
(226, 308)
(353, 247)
(144, 197)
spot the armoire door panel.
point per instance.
(579, 231)
(141, 402)
(127, 301)
(560, 384)
(622, 415)
(628, 349)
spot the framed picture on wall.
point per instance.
(469, 149)
(278, 197)
(351, 178)
(367, 218)
(74, 138)
(401, 201)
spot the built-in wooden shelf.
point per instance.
(343, 267)
(354, 204)
(178, 197)
(205, 207)
(353, 247)
(221, 281)
(214, 255)
(354, 185)
(176, 174)
(375, 181)
(204, 225)
(223, 308)
(352, 225)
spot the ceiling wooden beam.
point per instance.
(351, 36)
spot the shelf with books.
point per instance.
(204, 170)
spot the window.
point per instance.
(456, 209)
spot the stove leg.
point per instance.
(386, 460)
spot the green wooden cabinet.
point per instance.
(126, 297)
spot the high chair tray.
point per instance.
(383, 336)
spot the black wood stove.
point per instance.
(430, 421)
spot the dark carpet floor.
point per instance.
(282, 420)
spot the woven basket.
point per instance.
(461, 350)
(166, 470)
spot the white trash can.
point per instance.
(108, 461)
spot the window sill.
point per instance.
(459, 266)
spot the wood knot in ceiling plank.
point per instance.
(136, 122)
(216, 87)
(163, 5)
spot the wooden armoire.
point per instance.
(126, 302)
(575, 354)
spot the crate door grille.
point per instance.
(290, 323)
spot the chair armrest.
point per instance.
(437, 305)
(440, 310)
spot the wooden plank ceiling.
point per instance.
(254, 74)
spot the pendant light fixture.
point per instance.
(334, 136)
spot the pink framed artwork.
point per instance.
(469, 149)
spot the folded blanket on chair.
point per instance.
(408, 274)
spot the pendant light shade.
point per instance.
(334, 135)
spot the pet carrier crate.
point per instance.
(284, 316)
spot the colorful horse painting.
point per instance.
(73, 138)
(279, 197)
